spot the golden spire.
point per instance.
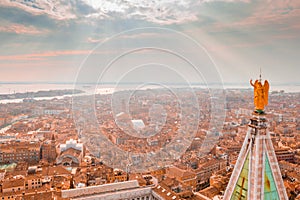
(260, 74)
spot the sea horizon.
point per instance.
(23, 87)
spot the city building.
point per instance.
(285, 154)
(33, 179)
(53, 111)
(17, 151)
(113, 191)
(48, 150)
(71, 153)
(185, 177)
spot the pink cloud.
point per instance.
(42, 56)
(124, 36)
(21, 29)
(92, 40)
(275, 12)
(55, 9)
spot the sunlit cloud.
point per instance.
(276, 13)
(156, 11)
(42, 56)
(56, 9)
(21, 29)
(238, 33)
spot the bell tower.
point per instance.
(256, 175)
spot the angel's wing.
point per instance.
(266, 92)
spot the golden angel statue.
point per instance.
(261, 94)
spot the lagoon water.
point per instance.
(11, 88)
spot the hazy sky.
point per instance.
(44, 40)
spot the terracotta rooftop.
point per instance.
(72, 152)
(165, 193)
(177, 172)
(50, 171)
(9, 183)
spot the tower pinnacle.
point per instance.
(260, 74)
(256, 174)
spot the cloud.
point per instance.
(269, 13)
(21, 29)
(124, 36)
(156, 11)
(94, 40)
(51, 54)
(42, 56)
(57, 9)
(244, 31)
(160, 12)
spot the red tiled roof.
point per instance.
(10, 183)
